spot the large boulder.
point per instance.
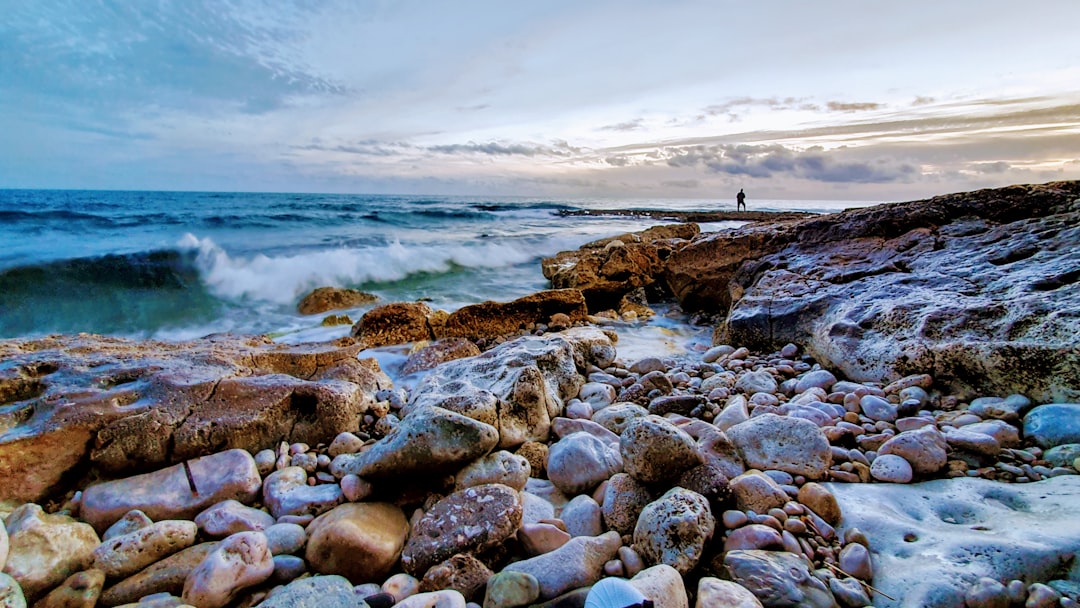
(46, 549)
(494, 319)
(979, 289)
(931, 541)
(1053, 424)
(333, 298)
(610, 268)
(394, 323)
(124, 406)
(784, 443)
(519, 386)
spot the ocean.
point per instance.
(180, 265)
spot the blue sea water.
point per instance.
(179, 265)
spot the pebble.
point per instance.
(663, 585)
(987, 593)
(401, 586)
(360, 541)
(583, 517)
(80, 590)
(714, 592)
(733, 519)
(11, 595)
(131, 521)
(240, 561)
(229, 517)
(674, 529)
(122, 556)
(538, 538)
(754, 536)
(655, 450)
(313, 592)
(508, 589)
(793, 445)
(924, 449)
(498, 467)
(631, 561)
(757, 492)
(286, 492)
(578, 563)
(578, 462)
(355, 489)
(447, 598)
(44, 549)
(855, 560)
(849, 592)
(1041, 596)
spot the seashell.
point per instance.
(616, 593)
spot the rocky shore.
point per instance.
(524, 462)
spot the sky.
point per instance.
(789, 99)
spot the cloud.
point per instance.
(689, 184)
(922, 101)
(557, 148)
(840, 106)
(617, 161)
(766, 161)
(630, 125)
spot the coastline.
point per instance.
(527, 440)
(692, 216)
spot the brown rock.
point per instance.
(165, 576)
(333, 298)
(80, 590)
(468, 521)
(438, 353)
(395, 323)
(360, 541)
(494, 319)
(821, 501)
(127, 406)
(462, 572)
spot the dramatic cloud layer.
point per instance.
(690, 98)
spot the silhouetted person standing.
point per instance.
(740, 201)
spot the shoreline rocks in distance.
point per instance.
(325, 299)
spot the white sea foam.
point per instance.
(281, 279)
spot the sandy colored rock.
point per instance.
(4, 545)
(578, 563)
(654, 450)
(122, 556)
(46, 549)
(493, 319)
(360, 541)
(754, 491)
(394, 323)
(674, 530)
(165, 494)
(165, 576)
(131, 521)
(80, 590)
(462, 573)
(468, 521)
(240, 561)
(507, 589)
(498, 467)
(715, 593)
(324, 299)
(624, 499)
(663, 585)
(821, 501)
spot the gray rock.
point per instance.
(674, 529)
(876, 408)
(578, 563)
(1009, 409)
(428, 441)
(579, 462)
(286, 493)
(756, 382)
(582, 517)
(924, 449)
(615, 417)
(315, 592)
(1053, 424)
(987, 593)
(778, 578)
(849, 593)
(508, 589)
(229, 517)
(891, 468)
(285, 538)
(819, 378)
(933, 540)
(787, 444)
(1062, 455)
(624, 498)
(654, 450)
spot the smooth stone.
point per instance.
(508, 589)
(1006, 434)
(1002, 531)
(855, 560)
(631, 561)
(924, 449)
(821, 501)
(131, 521)
(877, 409)
(578, 462)
(578, 563)
(401, 586)
(361, 541)
(428, 441)
(344, 443)
(286, 492)
(11, 595)
(1053, 424)
(754, 536)
(1009, 409)
(288, 568)
(122, 556)
(756, 382)
(285, 539)
(663, 585)
(240, 561)
(563, 427)
(849, 592)
(314, 592)
(778, 578)
(1042, 596)
(975, 443)
(354, 488)
(714, 353)
(818, 378)
(498, 467)
(166, 494)
(467, 521)
(735, 412)
(447, 598)
(674, 529)
(583, 517)
(891, 468)
(757, 492)
(733, 519)
(655, 450)
(165, 576)
(987, 593)
(793, 445)
(715, 593)
(80, 590)
(534, 509)
(615, 417)
(537, 539)
(462, 573)
(597, 394)
(44, 549)
(910, 424)
(624, 499)
(229, 517)
(1057, 456)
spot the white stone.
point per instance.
(663, 585)
(240, 561)
(891, 468)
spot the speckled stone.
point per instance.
(674, 529)
(654, 450)
(624, 498)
